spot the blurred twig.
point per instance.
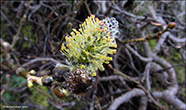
(58, 22)
(39, 59)
(8, 83)
(16, 37)
(4, 16)
(140, 86)
(149, 37)
(94, 94)
(42, 92)
(17, 90)
(87, 7)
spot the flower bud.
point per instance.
(172, 25)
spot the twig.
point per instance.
(8, 83)
(30, 79)
(17, 90)
(178, 104)
(16, 59)
(3, 101)
(43, 93)
(116, 65)
(94, 94)
(116, 7)
(125, 97)
(54, 99)
(131, 61)
(6, 45)
(176, 40)
(139, 85)
(149, 37)
(147, 52)
(137, 54)
(8, 21)
(147, 77)
(87, 7)
(176, 16)
(58, 22)
(16, 37)
(39, 59)
(108, 78)
(165, 69)
(170, 71)
(143, 103)
(57, 106)
(171, 99)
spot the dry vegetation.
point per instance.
(146, 74)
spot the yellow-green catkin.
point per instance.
(88, 47)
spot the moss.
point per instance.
(182, 94)
(156, 85)
(17, 81)
(27, 31)
(152, 43)
(10, 96)
(163, 103)
(4, 24)
(39, 98)
(42, 99)
(175, 59)
(132, 28)
(180, 74)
